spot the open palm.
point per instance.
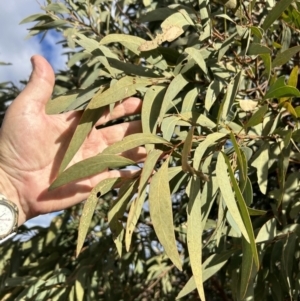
(32, 146)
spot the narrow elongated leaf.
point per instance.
(160, 206)
(228, 195)
(126, 192)
(285, 91)
(275, 13)
(89, 207)
(261, 165)
(60, 103)
(248, 270)
(194, 234)
(256, 48)
(244, 212)
(242, 163)
(202, 147)
(168, 126)
(176, 85)
(186, 151)
(137, 203)
(86, 124)
(283, 57)
(232, 91)
(210, 267)
(287, 261)
(151, 108)
(90, 167)
(132, 141)
(257, 117)
(133, 43)
(196, 55)
(125, 87)
(213, 91)
(189, 101)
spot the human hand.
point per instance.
(32, 146)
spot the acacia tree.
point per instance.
(213, 212)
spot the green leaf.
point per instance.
(283, 57)
(232, 90)
(60, 103)
(267, 232)
(194, 234)
(261, 165)
(90, 167)
(285, 91)
(176, 85)
(213, 91)
(244, 212)
(275, 13)
(133, 43)
(203, 146)
(228, 195)
(168, 126)
(287, 261)
(267, 64)
(137, 203)
(293, 79)
(133, 141)
(123, 88)
(126, 192)
(186, 151)
(210, 267)
(89, 207)
(255, 49)
(160, 205)
(257, 117)
(151, 108)
(196, 55)
(242, 163)
(248, 271)
(189, 101)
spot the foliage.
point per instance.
(214, 209)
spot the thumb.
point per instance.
(40, 86)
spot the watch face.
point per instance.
(7, 219)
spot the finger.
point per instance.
(39, 88)
(127, 107)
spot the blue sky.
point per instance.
(15, 49)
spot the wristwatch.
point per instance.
(8, 217)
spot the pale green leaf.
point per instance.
(196, 55)
(151, 108)
(123, 88)
(257, 117)
(137, 203)
(283, 57)
(203, 146)
(228, 195)
(90, 167)
(275, 13)
(134, 140)
(194, 234)
(176, 85)
(160, 205)
(89, 207)
(261, 165)
(126, 192)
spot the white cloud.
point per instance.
(15, 49)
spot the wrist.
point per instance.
(10, 192)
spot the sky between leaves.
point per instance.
(16, 49)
